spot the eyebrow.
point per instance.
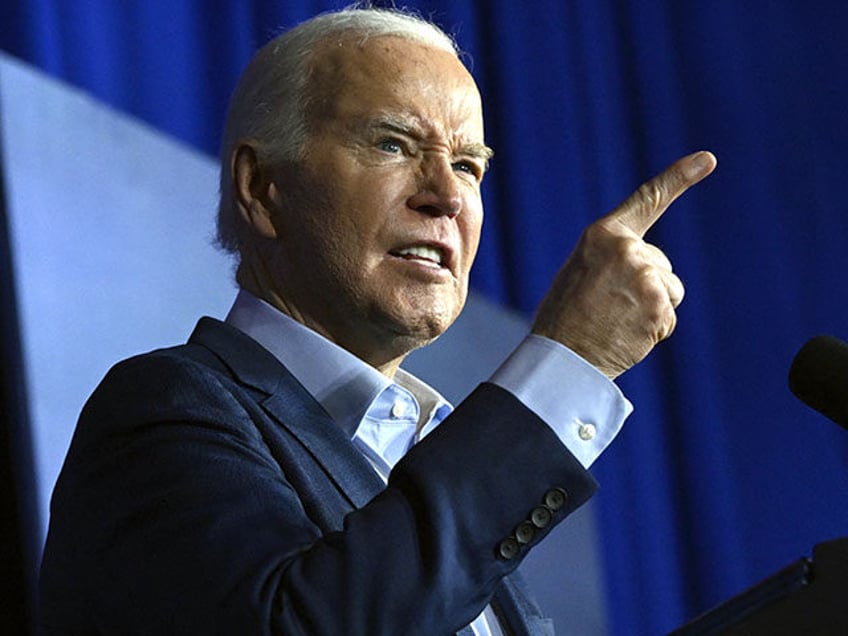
(480, 151)
(407, 126)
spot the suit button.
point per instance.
(525, 532)
(508, 549)
(555, 499)
(540, 517)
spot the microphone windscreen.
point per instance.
(819, 377)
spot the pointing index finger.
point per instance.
(642, 208)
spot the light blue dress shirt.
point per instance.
(583, 407)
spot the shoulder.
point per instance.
(186, 383)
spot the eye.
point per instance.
(468, 167)
(392, 146)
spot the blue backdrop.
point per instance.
(720, 477)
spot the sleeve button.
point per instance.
(525, 532)
(555, 499)
(508, 549)
(540, 517)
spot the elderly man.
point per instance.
(280, 473)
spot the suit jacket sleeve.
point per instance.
(184, 508)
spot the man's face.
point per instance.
(379, 224)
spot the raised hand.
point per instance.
(615, 296)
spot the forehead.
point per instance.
(390, 75)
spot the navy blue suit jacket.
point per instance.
(206, 492)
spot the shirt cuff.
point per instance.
(582, 406)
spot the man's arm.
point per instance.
(184, 509)
(615, 296)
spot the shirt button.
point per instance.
(586, 432)
(398, 409)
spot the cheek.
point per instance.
(374, 199)
(471, 229)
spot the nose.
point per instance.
(438, 192)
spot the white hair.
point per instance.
(273, 96)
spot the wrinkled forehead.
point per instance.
(396, 75)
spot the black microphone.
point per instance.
(819, 377)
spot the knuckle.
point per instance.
(658, 257)
(677, 291)
(630, 250)
(652, 290)
(652, 195)
(596, 233)
(630, 255)
(668, 326)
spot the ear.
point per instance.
(253, 189)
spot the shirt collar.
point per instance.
(343, 384)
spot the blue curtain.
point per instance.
(720, 477)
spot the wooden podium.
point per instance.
(809, 596)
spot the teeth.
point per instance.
(423, 252)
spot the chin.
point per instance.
(418, 321)
(428, 326)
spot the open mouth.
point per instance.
(426, 255)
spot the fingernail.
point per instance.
(700, 165)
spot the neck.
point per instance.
(372, 350)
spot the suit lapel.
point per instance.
(328, 445)
(287, 402)
(284, 399)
